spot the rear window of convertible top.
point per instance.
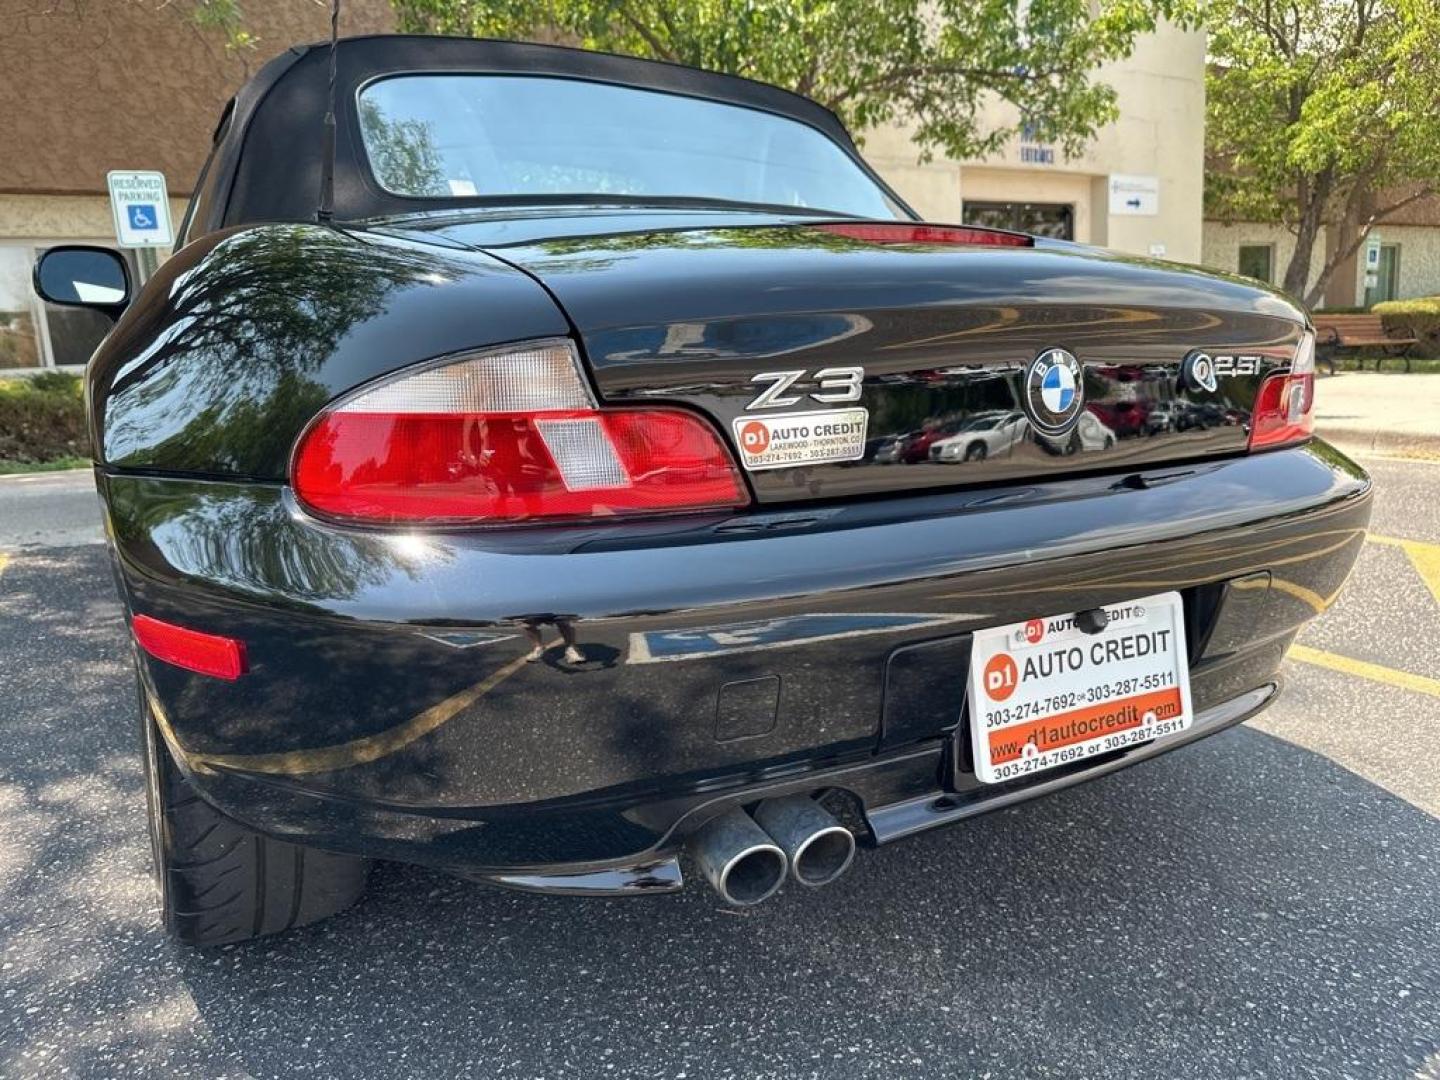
(467, 136)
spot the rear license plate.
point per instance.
(1044, 693)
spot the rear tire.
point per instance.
(221, 882)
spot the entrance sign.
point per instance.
(141, 208)
(1134, 196)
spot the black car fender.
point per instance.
(231, 349)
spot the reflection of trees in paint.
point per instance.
(402, 153)
(244, 333)
(246, 540)
(585, 253)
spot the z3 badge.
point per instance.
(803, 438)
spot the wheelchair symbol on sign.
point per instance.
(142, 216)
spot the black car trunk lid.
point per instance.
(916, 363)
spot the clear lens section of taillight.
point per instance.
(1285, 406)
(504, 436)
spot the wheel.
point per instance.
(220, 882)
(975, 452)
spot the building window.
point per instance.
(35, 334)
(1055, 220)
(1258, 261)
(19, 322)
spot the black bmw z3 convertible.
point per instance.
(617, 480)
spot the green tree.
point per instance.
(871, 61)
(226, 17)
(1320, 112)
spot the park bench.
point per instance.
(1335, 332)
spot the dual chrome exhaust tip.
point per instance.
(746, 858)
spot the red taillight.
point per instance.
(1285, 406)
(906, 233)
(208, 654)
(505, 436)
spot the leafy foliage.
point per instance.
(226, 17)
(1418, 318)
(1321, 111)
(933, 65)
(42, 418)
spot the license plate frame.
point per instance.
(1064, 696)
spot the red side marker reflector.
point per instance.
(207, 654)
(905, 233)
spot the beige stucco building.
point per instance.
(1154, 151)
(69, 117)
(1405, 264)
(81, 98)
(89, 87)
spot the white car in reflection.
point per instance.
(984, 435)
(1092, 434)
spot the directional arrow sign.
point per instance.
(1134, 196)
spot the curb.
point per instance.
(1379, 441)
(39, 473)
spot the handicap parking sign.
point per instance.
(141, 208)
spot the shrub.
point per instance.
(42, 418)
(1418, 318)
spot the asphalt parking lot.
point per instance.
(1265, 903)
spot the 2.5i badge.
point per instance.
(808, 438)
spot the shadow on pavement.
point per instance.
(1240, 908)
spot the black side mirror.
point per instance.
(80, 276)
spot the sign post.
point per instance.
(140, 205)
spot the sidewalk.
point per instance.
(1386, 413)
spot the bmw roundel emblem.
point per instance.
(1054, 392)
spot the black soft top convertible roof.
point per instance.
(266, 162)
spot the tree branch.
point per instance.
(1345, 253)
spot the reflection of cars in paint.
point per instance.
(1124, 418)
(982, 437)
(434, 539)
(1162, 418)
(1092, 434)
(915, 447)
(887, 449)
(1088, 434)
(1202, 415)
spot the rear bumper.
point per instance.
(390, 709)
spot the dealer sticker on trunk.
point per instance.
(808, 438)
(1045, 693)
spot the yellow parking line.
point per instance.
(1424, 557)
(1291, 588)
(1365, 670)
